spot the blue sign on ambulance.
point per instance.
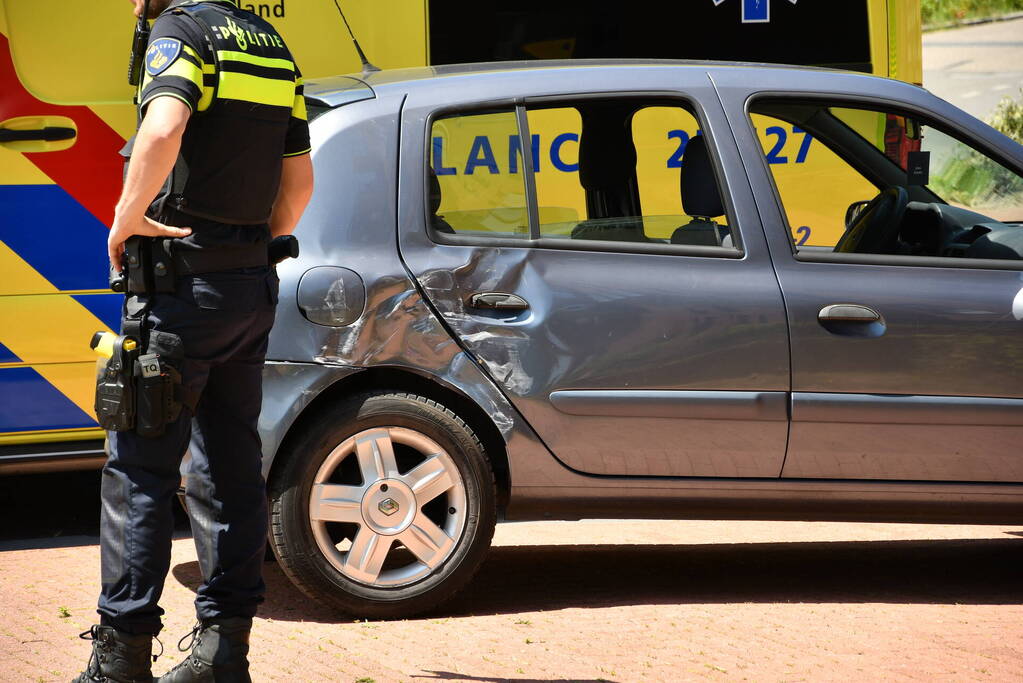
(755, 11)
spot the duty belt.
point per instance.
(153, 264)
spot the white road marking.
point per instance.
(968, 95)
(1002, 86)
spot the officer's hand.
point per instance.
(123, 229)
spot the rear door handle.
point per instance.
(498, 301)
(48, 134)
(848, 313)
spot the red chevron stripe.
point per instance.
(90, 171)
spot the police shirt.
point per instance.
(244, 90)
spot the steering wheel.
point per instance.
(876, 229)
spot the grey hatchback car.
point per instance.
(636, 289)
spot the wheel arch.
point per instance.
(407, 380)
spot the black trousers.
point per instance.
(223, 320)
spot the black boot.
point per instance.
(117, 657)
(220, 649)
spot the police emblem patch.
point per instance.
(161, 54)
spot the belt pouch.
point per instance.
(135, 263)
(157, 382)
(162, 261)
(150, 265)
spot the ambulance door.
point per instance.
(60, 175)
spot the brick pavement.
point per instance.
(615, 601)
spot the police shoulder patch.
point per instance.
(161, 54)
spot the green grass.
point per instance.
(945, 11)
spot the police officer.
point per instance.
(223, 140)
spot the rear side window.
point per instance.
(607, 174)
(476, 184)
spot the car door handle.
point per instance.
(47, 134)
(848, 313)
(498, 301)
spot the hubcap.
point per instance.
(402, 521)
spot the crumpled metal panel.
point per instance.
(619, 320)
(355, 228)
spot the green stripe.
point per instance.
(272, 62)
(164, 93)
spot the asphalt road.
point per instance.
(976, 66)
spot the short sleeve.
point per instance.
(174, 64)
(296, 143)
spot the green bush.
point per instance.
(1008, 117)
(943, 11)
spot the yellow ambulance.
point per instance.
(65, 112)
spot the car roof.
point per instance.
(326, 89)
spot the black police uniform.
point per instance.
(238, 78)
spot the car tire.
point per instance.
(384, 507)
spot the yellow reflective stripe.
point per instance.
(206, 68)
(298, 109)
(269, 62)
(298, 154)
(184, 69)
(206, 100)
(248, 88)
(45, 436)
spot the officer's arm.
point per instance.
(292, 197)
(153, 156)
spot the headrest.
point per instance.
(434, 190)
(607, 157)
(699, 186)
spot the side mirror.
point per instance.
(854, 211)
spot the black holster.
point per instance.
(142, 391)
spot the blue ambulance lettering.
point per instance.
(481, 152)
(556, 152)
(515, 152)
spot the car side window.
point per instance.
(961, 175)
(476, 180)
(815, 184)
(614, 174)
(889, 183)
(618, 172)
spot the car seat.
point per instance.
(607, 171)
(436, 221)
(701, 199)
